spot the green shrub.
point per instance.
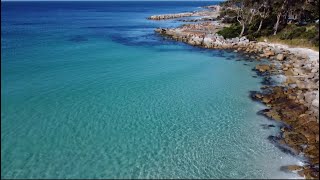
(298, 31)
(315, 41)
(228, 12)
(291, 32)
(253, 27)
(253, 36)
(266, 32)
(286, 35)
(310, 34)
(230, 32)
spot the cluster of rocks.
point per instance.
(293, 101)
(213, 7)
(171, 16)
(301, 73)
(204, 35)
(213, 12)
(300, 134)
(198, 19)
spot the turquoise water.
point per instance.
(89, 91)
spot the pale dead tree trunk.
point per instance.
(276, 26)
(260, 25)
(263, 14)
(253, 14)
(242, 23)
(251, 18)
(242, 31)
(245, 15)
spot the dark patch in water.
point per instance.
(262, 113)
(275, 141)
(121, 27)
(98, 27)
(218, 53)
(253, 97)
(285, 169)
(78, 39)
(145, 40)
(232, 56)
(267, 126)
(267, 81)
(120, 10)
(30, 23)
(266, 73)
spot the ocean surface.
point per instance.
(88, 90)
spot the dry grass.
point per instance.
(301, 43)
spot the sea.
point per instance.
(89, 90)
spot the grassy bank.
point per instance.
(291, 35)
(296, 36)
(297, 42)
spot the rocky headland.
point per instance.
(212, 12)
(290, 88)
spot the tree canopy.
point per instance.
(256, 18)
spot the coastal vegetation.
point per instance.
(293, 22)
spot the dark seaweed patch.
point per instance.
(252, 95)
(275, 141)
(263, 113)
(145, 40)
(78, 39)
(30, 23)
(267, 126)
(267, 81)
(120, 27)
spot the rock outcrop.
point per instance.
(213, 12)
(171, 16)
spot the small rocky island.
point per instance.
(291, 81)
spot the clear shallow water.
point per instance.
(89, 91)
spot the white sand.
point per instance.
(312, 54)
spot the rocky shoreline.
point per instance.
(212, 12)
(293, 100)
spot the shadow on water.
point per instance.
(120, 27)
(78, 39)
(145, 40)
(31, 23)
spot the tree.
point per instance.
(280, 8)
(311, 10)
(264, 12)
(245, 12)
